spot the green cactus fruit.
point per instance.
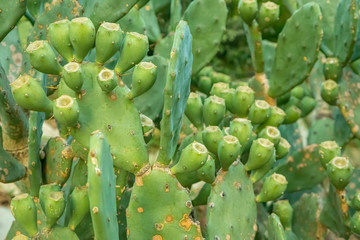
(284, 210)
(206, 173)
(282, 149)
(82, 37)
(231, 209)
(54, 207)
(59, 36)
(274, 186)
(45, 191)
(151, 213)
(228, 150)
(20, 237)
(101, 178)
(271, 133)
(277, 117)
(143, 78)
(228, 96)
(29, 94)
(307, 105)
(292, 101)
(134, 49)
(205, 84)
(66, 110)
(203, 195)
(147, 127)
(192, 158)
(330, 91)
(58, 232)
(258, 173)
(332, 69)
(211, 137)
(297, 92)
(296, 32)
(275, 228)
(79, 204)
(268, 14)
(355, 202)
(107, 80)
(187, 179)
(73, 76)
(248, 10)
(355, 223)
(328, 150)
(339, 170)
(194, 109)
(242, 129)
(355, 65)
(259, 112)
(261, 151)
(108, 41)
(25, 213)
(43, 58)
(243, 98)
(213, 110)
(293, 113)
(217, 87)
(58, 161)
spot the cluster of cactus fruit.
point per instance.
(153, 143)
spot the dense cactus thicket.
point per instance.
(170, 119)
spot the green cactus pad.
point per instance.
(231, 208)
(293, 64)
(11, 12)
(151, 213)
(177, 91)
(101, 178)
(207, 28)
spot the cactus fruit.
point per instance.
(329, 91)
(274, 186)
(248, 10)
(328, 150)
(339, 170)
(228, 150)
(260, 153)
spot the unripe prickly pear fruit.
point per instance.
(258, 173)
(274, 186)
(293, 113)
(43, 58)
(243, 98)
(242, 129)
(329, 91)
(134, 49)
(82, 37)
(355, 223)
(194, 109)
(276, 118)
(214, 110)
(228, 96)
(284, 210)
(73, 76)
(206, 173)
(20, 237)
(339, 170)
(211, 137)
(25, 213)
(59, 36)
(108, 41)
(107, 80)
(328, 150)
(143, 78)
(259, 112)
(45, 191)
(306, 105)
(261, 151)
(297, 92)
(54, 207)
(332, 69)
(228, 150)
(192, 158)
(66, 110)
(204, 84)
(271, 133)
(217, 87)
(79, 203)
(268, 14)
(248, 10)
(29, 94)
(355, 202)
(282, 149)
(147, 127)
